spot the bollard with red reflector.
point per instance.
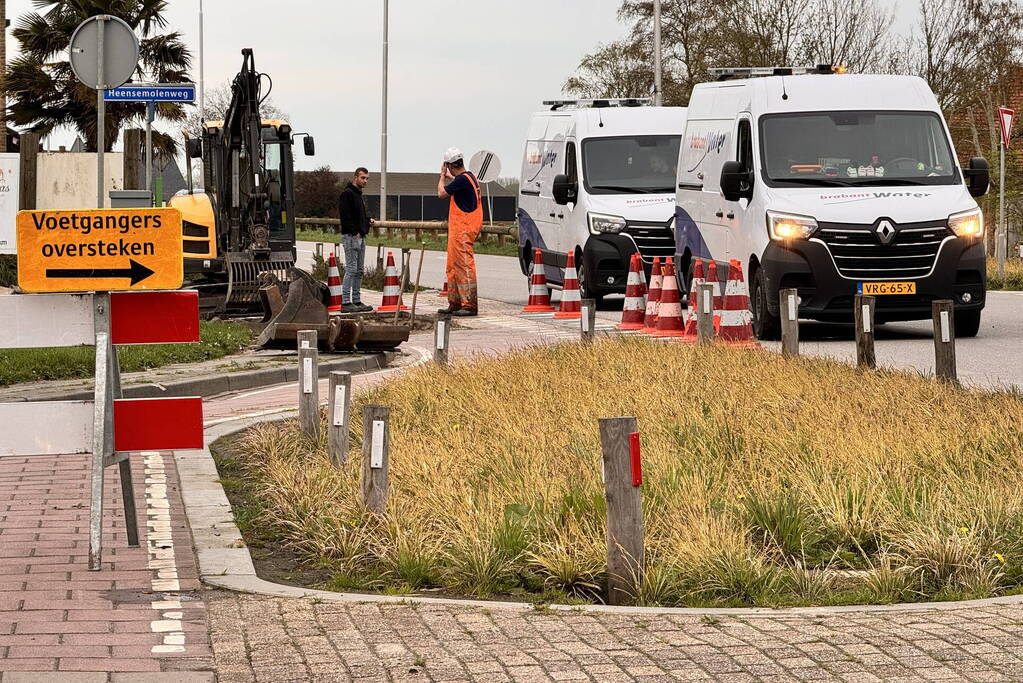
(636, 458)
(623, 476)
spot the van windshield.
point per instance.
(856, 148)
(636, 164)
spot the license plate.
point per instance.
(881, 288)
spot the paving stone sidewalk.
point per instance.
(272, 639)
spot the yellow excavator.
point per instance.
(241, 228)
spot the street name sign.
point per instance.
(100, 250)
(152, 92)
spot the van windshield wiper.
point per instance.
(885, 181)
(620, 188)
(816, 182)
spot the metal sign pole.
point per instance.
(490, 203)
(150, 115)
(1000, 241)
(102, 426)
(101, 110)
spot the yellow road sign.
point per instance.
(99, 250)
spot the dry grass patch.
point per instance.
(766, 481)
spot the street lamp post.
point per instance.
(657, 53)
(383, 131)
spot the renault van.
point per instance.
(834, 185)
(598, 180)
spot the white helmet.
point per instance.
(452, 154)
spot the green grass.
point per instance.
(1013, 279)
(486, 244)
(217, 339)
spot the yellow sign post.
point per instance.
(99, 250)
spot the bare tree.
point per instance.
(853, 33)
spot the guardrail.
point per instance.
(499, 233)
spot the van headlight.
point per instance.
(787, 226)
(603, 223)
(967, 223)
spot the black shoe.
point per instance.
(464, 313)
(448, 311)
(350, 308)
(362, 308)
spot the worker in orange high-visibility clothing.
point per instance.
(465, 220)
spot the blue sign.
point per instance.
(152, 92)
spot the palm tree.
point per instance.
(44, 93)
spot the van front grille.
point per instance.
(652, 238)
(860, 253)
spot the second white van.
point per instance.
(598, 180)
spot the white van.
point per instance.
(834, 185)
(598, 180)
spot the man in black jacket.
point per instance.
(355, 225)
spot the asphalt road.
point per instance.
(993, 359)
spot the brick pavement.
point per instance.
(143, 612)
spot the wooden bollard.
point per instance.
(587, 320)
(863, 313)
(943, 313)
(441, 338)
(308, 384)
(789, 302)
(380, 257)
(619, 440)
(339, 403)
(375, 457)
(705, 314)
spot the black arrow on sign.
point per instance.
(137, 272)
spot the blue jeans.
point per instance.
(355, 257)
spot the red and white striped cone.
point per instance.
(736, 326)
(444, 292)
(698, 280)
(539, 295)
(392, 288)
(653, 299)
(571, 302)
(334, 285)
(635, 297)
(712, 278)
(669, 311)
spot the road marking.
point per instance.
(160, 545)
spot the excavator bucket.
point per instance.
(244, 276)
(302, 310)
(305, 308)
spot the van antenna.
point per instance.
(784, 95)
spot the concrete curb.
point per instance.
(223, 565)
(236, 381)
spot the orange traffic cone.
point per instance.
(539, 295)
(653, 299)
(334, 285)
(635, 297)
(736, 326)
(571, 307)
(444, 292)
(698, 280)
(669, 311)
(392, 288)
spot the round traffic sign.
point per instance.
(120, 52)
(485, 166)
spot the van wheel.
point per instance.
(766, 325)
(967, 323)
(584, 285)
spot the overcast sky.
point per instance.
(462, 72)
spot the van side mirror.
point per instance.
(564, 190)
(978, 177)
(309, 145)
(194, 148)
(736, 182)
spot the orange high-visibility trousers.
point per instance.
(463, 229)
